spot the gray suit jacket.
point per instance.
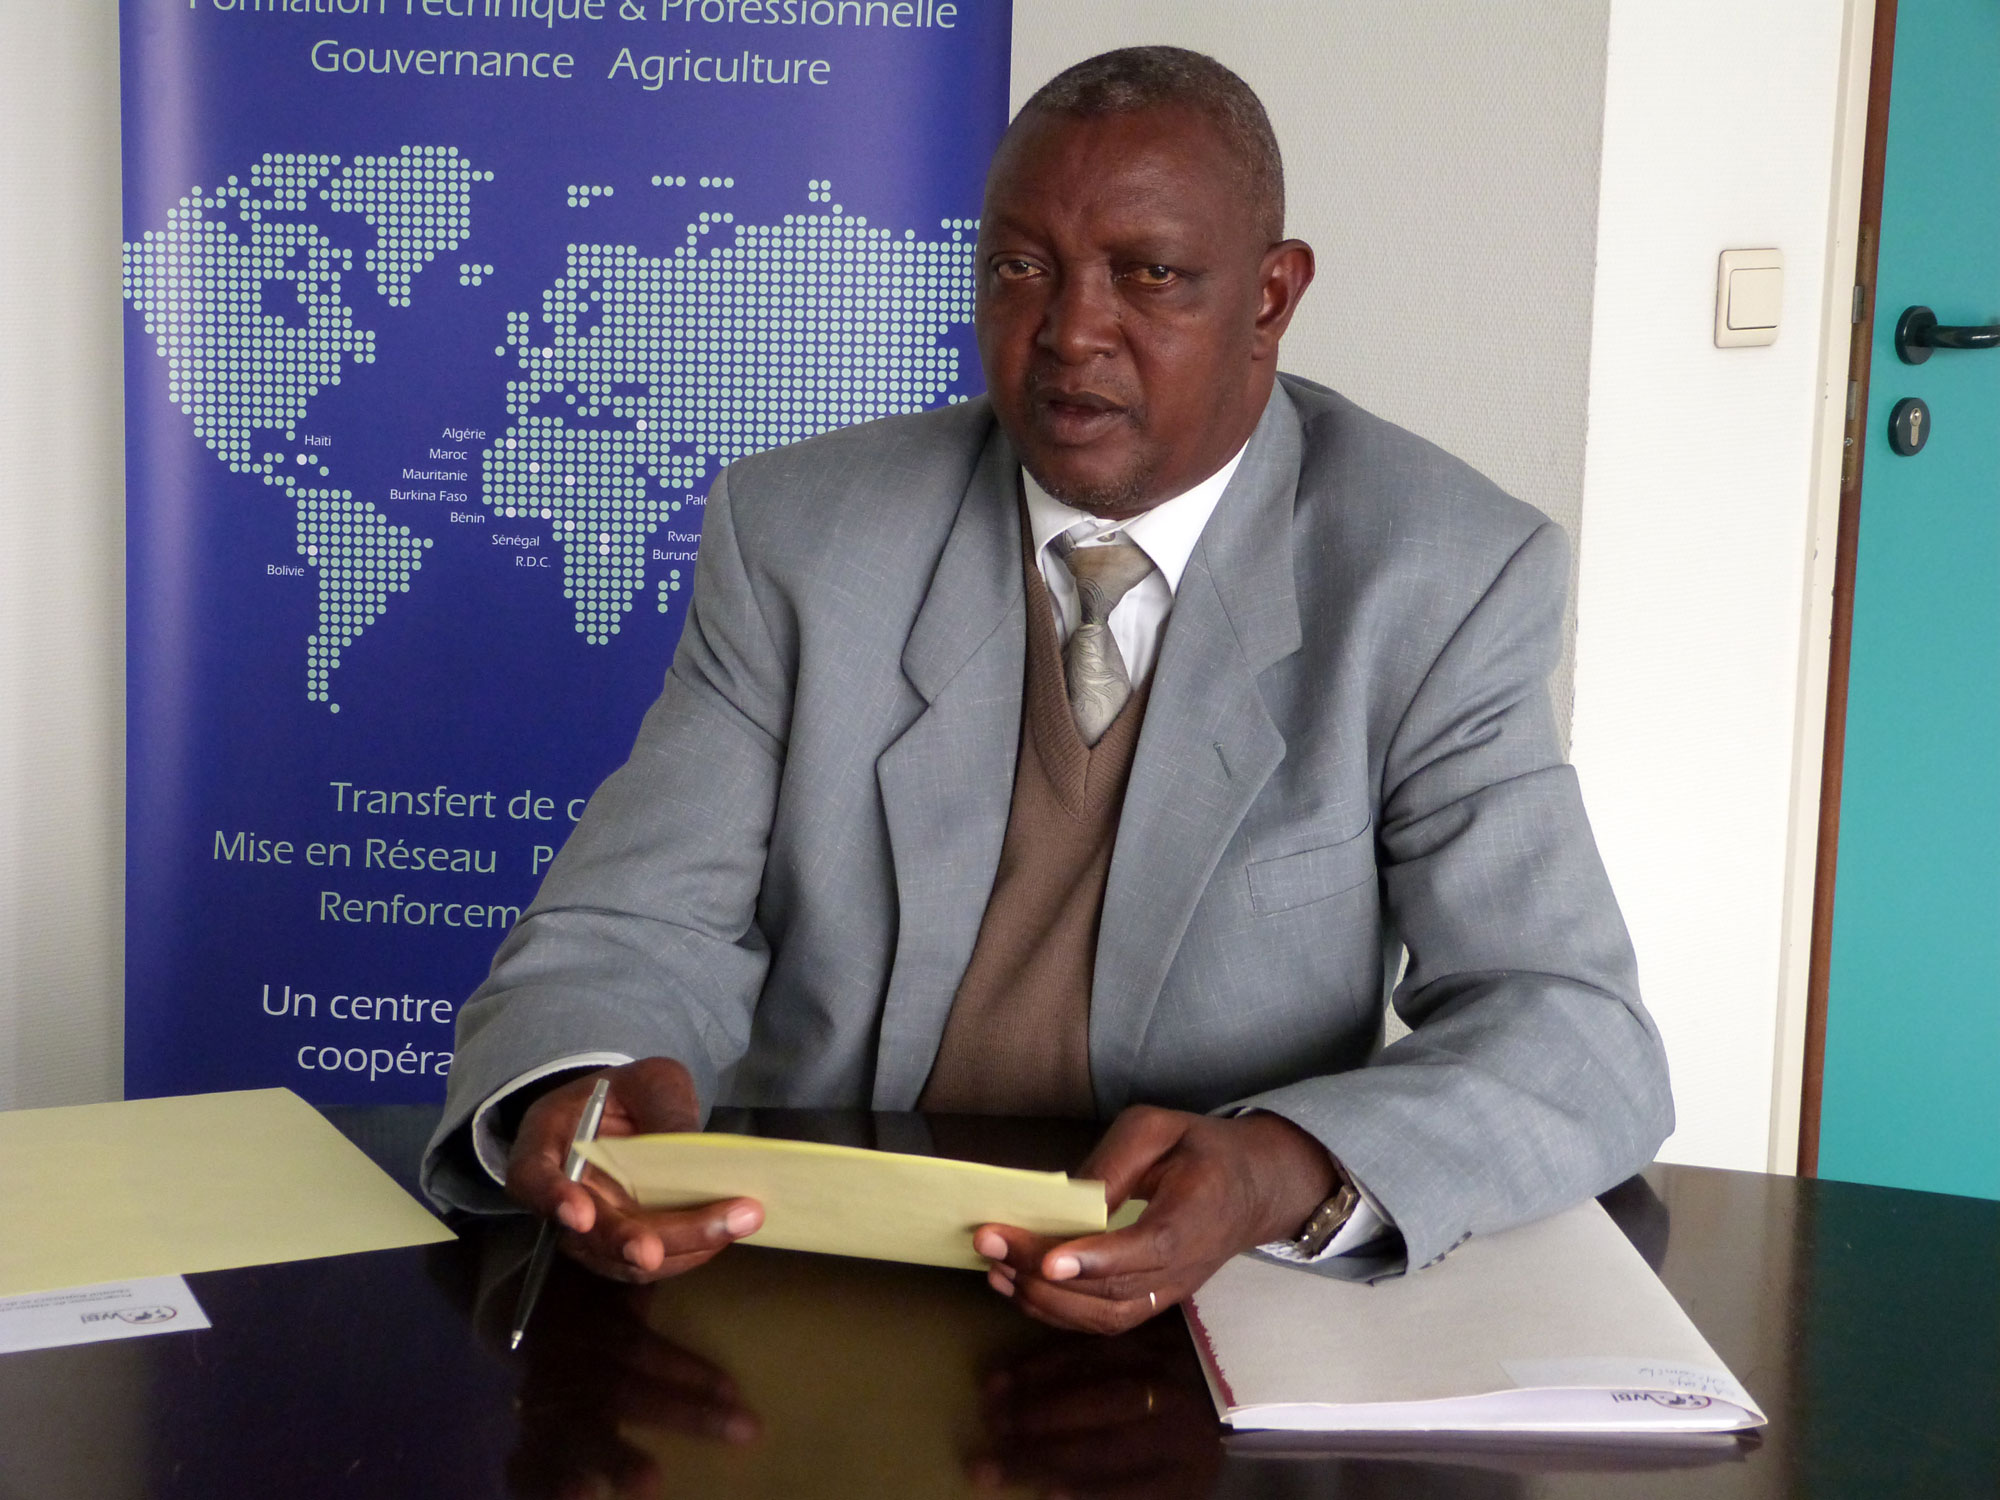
(1348, 748)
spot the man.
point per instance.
(1090, 749)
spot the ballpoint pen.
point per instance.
(545, 1240)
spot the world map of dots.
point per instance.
(245, 306)
(648, 373)
(643, 373)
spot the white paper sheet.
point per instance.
(92, 1314)
(1554, 1327)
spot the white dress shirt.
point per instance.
(1167, 534)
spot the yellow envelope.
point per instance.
(843, 1200)
(199, 1182)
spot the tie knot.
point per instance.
(1103, 572)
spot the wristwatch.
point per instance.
(1327, 1219)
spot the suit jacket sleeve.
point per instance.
(643, 939)
(1533, 1076)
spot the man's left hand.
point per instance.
(1213, 1188)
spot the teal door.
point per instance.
(1912, 1081)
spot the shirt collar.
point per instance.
(1167, 533)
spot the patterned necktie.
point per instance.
(1092, 662)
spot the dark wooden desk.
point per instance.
(1866, 1320)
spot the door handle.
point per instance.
(1918, 332)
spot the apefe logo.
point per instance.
(135, 1315)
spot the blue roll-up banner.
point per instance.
(441, 317)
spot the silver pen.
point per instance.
(546, 1239)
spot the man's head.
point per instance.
(1133, 282)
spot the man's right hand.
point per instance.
(608, 1232)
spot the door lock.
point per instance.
(1909, 426)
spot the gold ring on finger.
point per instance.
(1153, 1301)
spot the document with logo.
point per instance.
(97, 1193)
(1555, 1327)
(92, 1314)
(845, 1200)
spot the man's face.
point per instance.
(1129, 304)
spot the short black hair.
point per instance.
(1132, 79)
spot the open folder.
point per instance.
(843, 1200)
(1554, 1327)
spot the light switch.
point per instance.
(1754, 298)
(1749, 292)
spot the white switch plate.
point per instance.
(1749, 291)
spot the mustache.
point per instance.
(1043, 389)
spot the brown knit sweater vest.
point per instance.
(1017, 1041)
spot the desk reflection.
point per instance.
(594, 1373)
(1127, 1416)
(770, 1373)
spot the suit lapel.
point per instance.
(947, 782)
(1208, 744)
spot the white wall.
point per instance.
(1706, 544)
(62, 557)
